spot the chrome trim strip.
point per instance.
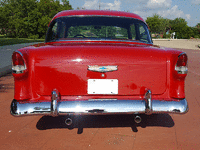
(103, 40)
(97, 107)
(19, 53)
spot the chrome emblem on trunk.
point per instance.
(102, 68)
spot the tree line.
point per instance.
(28, 18)
(165, 27)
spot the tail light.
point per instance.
(181, 65)
(18, 64)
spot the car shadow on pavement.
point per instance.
(104, 121)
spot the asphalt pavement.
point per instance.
(6, 55)
(107, 132)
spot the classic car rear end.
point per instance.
(98, 62)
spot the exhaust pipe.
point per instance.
(137, 119)
(68, 121)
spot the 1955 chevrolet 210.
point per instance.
(98, 62)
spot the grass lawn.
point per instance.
(10, 41)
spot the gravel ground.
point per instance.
(185, 44)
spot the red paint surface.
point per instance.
(140, 66)
(96, 13)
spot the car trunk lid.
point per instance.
(66, 68)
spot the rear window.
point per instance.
(98, 28)
(91, 31)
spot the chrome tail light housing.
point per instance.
(18, 63)
(181, 65)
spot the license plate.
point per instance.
(102, 86)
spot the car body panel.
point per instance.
(58, 78)
(134, 71)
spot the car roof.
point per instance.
(97, 13)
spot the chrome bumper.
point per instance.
(98, 106)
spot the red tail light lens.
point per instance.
(181, 65)
(17, 59)
(182, 60)
(18, 64)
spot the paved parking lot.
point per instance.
(156, 132)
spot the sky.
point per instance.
(171, 9)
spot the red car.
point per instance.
(98, 62)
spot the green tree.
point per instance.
(196, 30)
(156, 24)
(198, 25)
(29, 18)
(180, 27)
(15, 19)
(48, 9)
(160, 25)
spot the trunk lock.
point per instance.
(102, 75)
